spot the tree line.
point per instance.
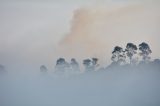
(120, 57)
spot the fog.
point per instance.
(109, 87)
(35, 33)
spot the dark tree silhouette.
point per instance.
(145, 51)
(118, 55)
(60, 61)
(90, 64)
(131, 49)
(157, 61)
(43, 69)
(94, 63)
(74, 65)
(87, 64)
(61, 65)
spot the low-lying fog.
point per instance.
(108, 87)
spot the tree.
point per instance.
(118, 55)
(74, 65)
(94, 63)
(87, 64)
(131, 49)
(145, 51)
(62, 65)
(43, 69)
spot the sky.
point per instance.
(38, 32)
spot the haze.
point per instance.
(39, 32)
